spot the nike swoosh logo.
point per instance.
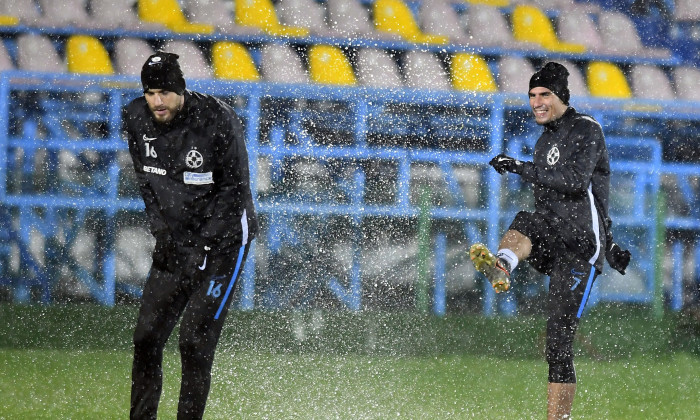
(501, 159)
(204, 264)
(148, 138)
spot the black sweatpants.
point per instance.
(200, 289)
(571, 279)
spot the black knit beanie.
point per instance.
(552, 76)
(162, 71)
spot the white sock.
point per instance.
(509, 256)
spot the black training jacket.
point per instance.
(570, 174)
(193, 172)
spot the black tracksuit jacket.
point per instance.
(570, 173)
(193, 173)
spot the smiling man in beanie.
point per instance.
(191, 162)
(569, 234)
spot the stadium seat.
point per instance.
(491, 3)
(192, 59)
(687, 80)
(377, 69)
(86, 54)
(514, 74)
(262, 14)
(328, 65)
(531, 24)
(7, 20)
(130, 54)
(113, 14)
(349, 18)
(487, 26)
(24, 10)
(395, 17)
(216, 13)
(424, 70)
(232, 61)
(606, 80)
(66, 13)
(470, 72)
(308, 14)
(5, 59)
(620, 37)
(281, 64)
(578, 27)
(686, 11)
(440, 18)
(37, 53)
(169, 13)
(650, 82)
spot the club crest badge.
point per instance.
(194, 159)
(553, 155)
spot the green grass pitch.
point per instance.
(74, 362)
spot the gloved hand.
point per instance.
(503, 164)
(617, 258)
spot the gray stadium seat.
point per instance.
(439, 17)
(130, 54)
(514, 74)
(192, 59)
(37, 53)
(424, 70)
(377, 69)
(281, 64)
(687, 80)
(306, 14)
(650, 82)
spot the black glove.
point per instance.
(503, 164)
(617, 258)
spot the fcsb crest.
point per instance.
(553, 155)
(194, 159)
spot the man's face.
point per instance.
(546, 106)
(163, 104)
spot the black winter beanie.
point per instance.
(162, 71)
(553, 76)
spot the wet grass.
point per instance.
(73, 362)
(94, 384)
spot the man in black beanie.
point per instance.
(191, 162)
(569, 234)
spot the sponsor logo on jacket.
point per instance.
(154, 170)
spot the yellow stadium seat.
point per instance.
(328, 65)
(494, 3)
(394, 17)
(530, 24)
(8, 20)
(86, 54)
(261, 14)
(232, 61)
(169, 13)
(607, 80)
(470, 72)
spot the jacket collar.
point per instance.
(556, 124)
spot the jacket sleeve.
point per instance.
(234, 184)
(574, 175)
(156, 221)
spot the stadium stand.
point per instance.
(232, 61)
(607, 80)
(130, 54)
(470, 72)
(423, 70)
(262, 14)
(377, 68)
(170, 14)
(349, 137)
(85, 54)
(395, 17)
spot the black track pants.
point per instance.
(201, 292)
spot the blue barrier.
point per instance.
(343, 131)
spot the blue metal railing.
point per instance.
(280, 121)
